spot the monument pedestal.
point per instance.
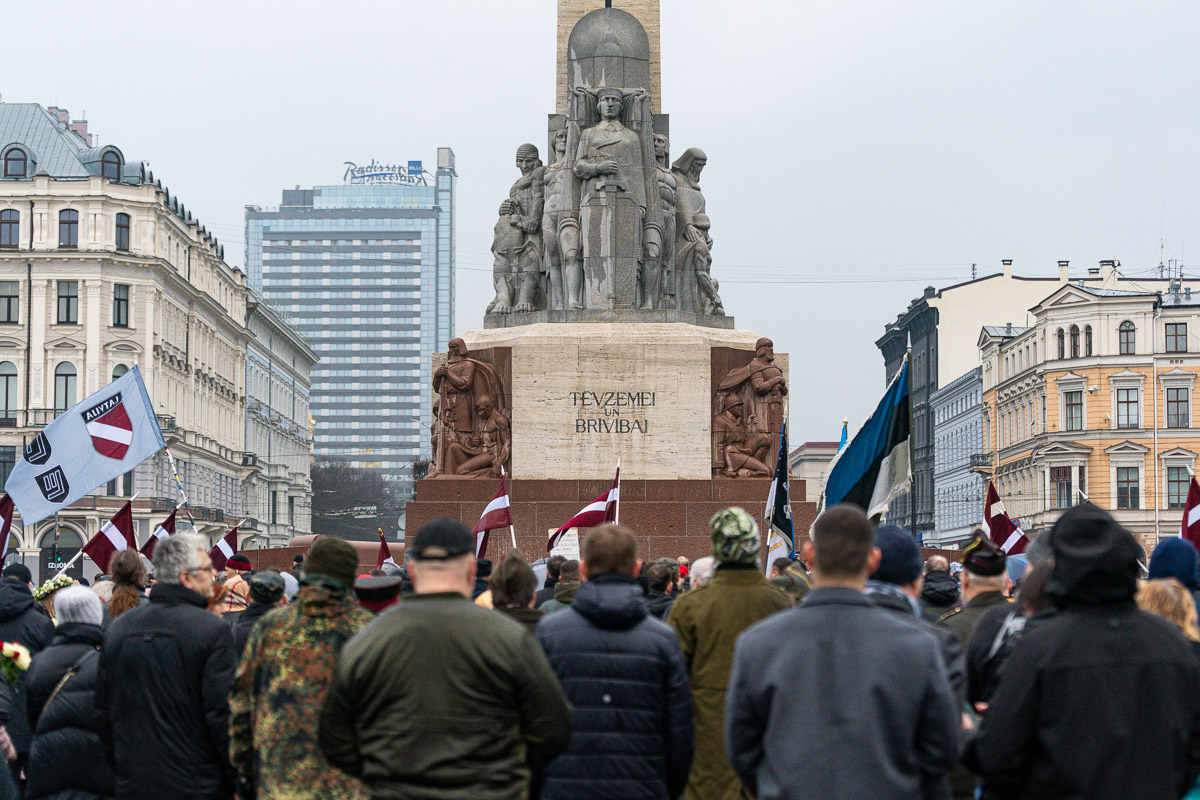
(580, 396)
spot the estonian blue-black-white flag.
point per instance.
(875, 467)
(781, 540)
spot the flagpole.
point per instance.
(512, 531)
(617, 510)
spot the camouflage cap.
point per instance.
(734, 536)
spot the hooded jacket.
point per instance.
(65, 726)
(624, 675)
(940, 592)
(1176, 558)
(22, 621)
(564, 593)
(1098, 701)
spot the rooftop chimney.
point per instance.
(1007, 262)
(1064, 271)
(80, 127)
(1008, 328)
(1093, 272)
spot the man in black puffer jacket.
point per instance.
(940, 591)
(67, 758)
(22, 621)
(624, 675)
(162, 693)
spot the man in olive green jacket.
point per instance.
(440, 699)
(708, 620)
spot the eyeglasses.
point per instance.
(209, 568)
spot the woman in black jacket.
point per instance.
(67, 760)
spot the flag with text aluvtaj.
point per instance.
(91, 443)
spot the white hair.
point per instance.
(702, 571)
(178, 553)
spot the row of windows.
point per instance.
(1176, 335)
(68, 303)
(66, 383)
(1128, 486)
(68, 229)
(1129, 412)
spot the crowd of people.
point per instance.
(858, 670)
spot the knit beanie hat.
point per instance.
(333, 558)
(239, 562)
(1175, 558)
(77, 604)
(900, 561)
(734, 536)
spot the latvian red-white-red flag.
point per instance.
(498, 514)
(114, 536)
(225, 547)
(601, 510)
(161, 531)
(1004, 532)
(385, 552)
(1189, 529)
(6, 517)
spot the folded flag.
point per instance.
(224, 549)
(114, 536)
(497, 514)
(1003, 530)
(778, 515)
(161, 531)
(875, 467)
(601, 510)
(1190, 527)
(385, 552)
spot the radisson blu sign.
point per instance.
(377, 173)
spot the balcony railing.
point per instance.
(981, 459)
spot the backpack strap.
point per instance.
(70, 673)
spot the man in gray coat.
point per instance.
(838, 698)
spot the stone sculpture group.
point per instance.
(607, 224)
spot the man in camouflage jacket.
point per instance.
(282, 680)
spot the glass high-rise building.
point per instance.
(365, 272)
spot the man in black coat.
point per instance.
(661, 596)
(266, 595)
(25, 622)
(939, 593)
(546, 593)
(67, 758)
(624, 674)
(162, 693)
(836, 697)
(1098, 701)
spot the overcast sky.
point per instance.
(858, 151)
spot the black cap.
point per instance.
(483, 568)
(266, 587)
(297, 559)
(18, 571)
(441, 539)
(982, 557)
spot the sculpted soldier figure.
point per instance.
(453, 382)
(658, 273)
(560, 232)
(486, 450)
(739, 453)
(695, 289)
(762, 387)
(516, 239)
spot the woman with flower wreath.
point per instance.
(44, 594)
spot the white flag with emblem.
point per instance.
(105, 436)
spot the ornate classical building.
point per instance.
(958, 491)
(1095, 399)
(102, 268)
(279, 440)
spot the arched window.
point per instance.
(1128, 338)
(123, 232)
(110, 166)
(16, 163)
(1087, 340)
(10, 227)
(8, 390)
(1074, 341)
(67, 538)
(1062, 344)
(68, 228)
(65, 384)
(119, 370)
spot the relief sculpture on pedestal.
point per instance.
(749, 408)
(472, 436)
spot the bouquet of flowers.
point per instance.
(60, 581)
(14, 659)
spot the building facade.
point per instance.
(958, 490)
(810, 462)
(1095, 400)
(943, 326)
(102, 268)
(365, 271)
(279, 440)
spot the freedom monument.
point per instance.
(607, 338)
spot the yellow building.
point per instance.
(1094, 400)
